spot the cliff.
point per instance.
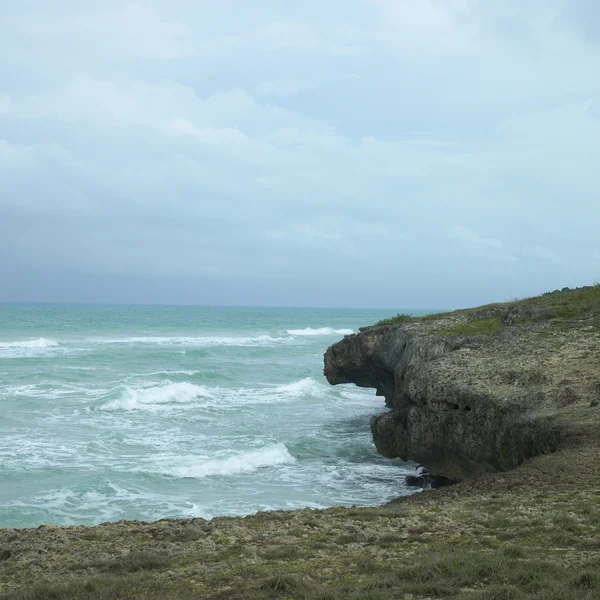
(480, 390)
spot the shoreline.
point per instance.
(505, 526)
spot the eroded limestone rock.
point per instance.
(463, 404)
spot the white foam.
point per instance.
(231, 398)
(187, 373)
(236, 464)
(169, 393)
(320, 331)
(307, 386)
(206, 341)
(50, 392)
(39, 343)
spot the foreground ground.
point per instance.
(530, 533)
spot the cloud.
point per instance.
(441, 23)
(284, 88)
(131, 30)
(544, 254)
(224, 149)
(472, 237)
(207, 135)
(5, 104)
(478, 246)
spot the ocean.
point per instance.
(151, 412)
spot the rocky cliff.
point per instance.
(480, 390)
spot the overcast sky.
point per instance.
(369, 153)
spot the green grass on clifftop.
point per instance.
(563, 305)
(481, 327)
(399, 319)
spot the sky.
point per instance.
(360, 153)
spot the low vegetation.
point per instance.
(479, 327)
(560, 305)
(399, 319)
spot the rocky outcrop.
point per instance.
(481, 390)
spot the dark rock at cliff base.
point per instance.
(426, 480)
(478, 390)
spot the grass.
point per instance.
(399, 319)
(137, 561)
(102, 588)
(482, 327)
(581, 303)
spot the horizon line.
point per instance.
(190, 305)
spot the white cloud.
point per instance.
(478, 246)
(426, 16)
(177, 134)
(544, 254)
(27, 156)
(209, 135)
(284, 88)
(5, 104)
(472, 237)
(132, 30)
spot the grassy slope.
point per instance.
(531, 533)
(573, 304)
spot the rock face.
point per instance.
(479, 390)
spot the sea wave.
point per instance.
(146, 398)
(169, 395)
(204, 341)
(236, 464)
(39, 343)
(27, 348)
(320, 331)
(307, 386)
(189, 373)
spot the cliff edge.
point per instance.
(480, 390)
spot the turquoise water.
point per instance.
(125, 412)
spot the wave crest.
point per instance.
(237, 464)
(307, 386)
(146, 398)
(39, 343)
(320, 331)
(206, 341)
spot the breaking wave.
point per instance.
(27, 348)
(237, 464)
(167, 394)
(39, 343)
(170, 393)
(304, 387)
(320, 331)
(205, 341)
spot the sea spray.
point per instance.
(320, 331)
(236, 463)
